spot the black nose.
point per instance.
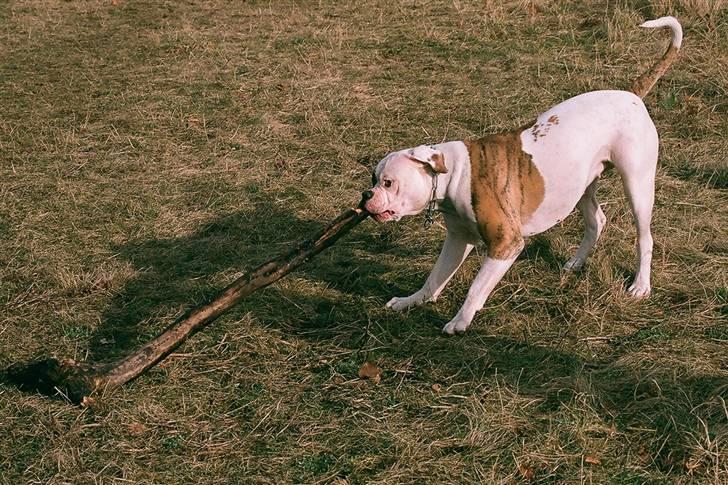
(365, 196)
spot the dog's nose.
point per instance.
(365, 196)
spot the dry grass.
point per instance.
(151, 150)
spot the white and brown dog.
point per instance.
(504, 187)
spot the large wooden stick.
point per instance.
(78, 381)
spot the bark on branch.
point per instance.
(78, 381)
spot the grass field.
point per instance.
(152, 151)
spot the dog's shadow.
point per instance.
(174, 274)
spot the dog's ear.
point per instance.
(430, 156)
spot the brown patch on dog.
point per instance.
(439, 166)
(540, 130)
(507, 188)
(647, 80)
(536, 132)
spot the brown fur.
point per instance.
(507, 188)
(644, 83)
(439, 160)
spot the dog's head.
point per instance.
(402, 183)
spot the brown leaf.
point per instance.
(370, 371)
(644, 455)
(136, 429)
(526, 471)
(88, 402)
(592, 460)
(436, 387)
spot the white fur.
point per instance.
(672, 23)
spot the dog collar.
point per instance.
(432, 204)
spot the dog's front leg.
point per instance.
(488, 276)
(454, 251)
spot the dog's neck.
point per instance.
(452, 161)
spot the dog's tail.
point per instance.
(644, 83)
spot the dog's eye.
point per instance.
(387, 184)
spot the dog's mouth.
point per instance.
(384, 216)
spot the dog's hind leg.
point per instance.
(594, 220)
(637, 166)
(641, 194)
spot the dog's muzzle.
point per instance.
(375, 202)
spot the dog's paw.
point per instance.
(639, 289)
(456, 325)
(399, 304)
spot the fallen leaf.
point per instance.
(644, 455)
(526, 472)
(436, 387)
(88, 402)
(137, 429)
(370, 371)
(592, 460)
